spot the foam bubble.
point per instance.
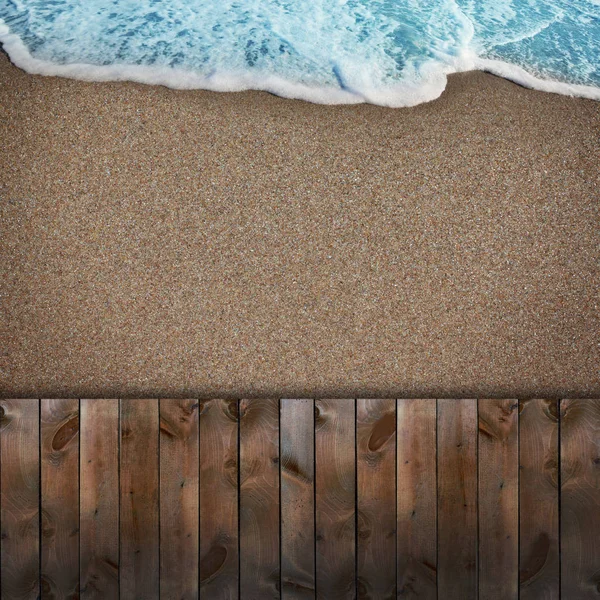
(323, 51)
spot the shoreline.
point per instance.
(405, 95)
(157, 242)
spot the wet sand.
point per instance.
(187, 243)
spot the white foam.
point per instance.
(403, 94)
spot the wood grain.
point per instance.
(538, 493)
(297, 499)
(335, 496)
(139, 500)
(60, 499)
(417, 501)
(19, 499)
(219, 499)
(580, 499)
(99, 499)
(457, 499)
(179, 495)
(259, 499)
(498, 499)
(376, 491)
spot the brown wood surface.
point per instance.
(417, 501)
(139, 500)
(335, 495)
(498, 499)
(60, 499)
(538, 493)
(179, 496)
(376, 491)
(380, 499)
(19, 495)
(297, 499)
(99, 499)
(259, 499)
(457, 499)
(580, 499)
(219, 499)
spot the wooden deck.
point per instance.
(294, 499)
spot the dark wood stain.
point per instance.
(538, 493)
(376, 494)
(66, 432)
(60, 498)
(219, 500)
(139, 491)
(498, 499)
(297, 500)
(499, 466)
(580, 499)
(457, 499)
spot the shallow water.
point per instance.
(389, 52)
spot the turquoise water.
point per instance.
(393, 53)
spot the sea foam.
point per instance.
(325, 51)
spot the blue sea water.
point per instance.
(388, 52)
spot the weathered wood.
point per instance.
(139, 500)
(259, 500)
(335, 496)
(179, 494)
(538, 492)
(219, 499)
(60, 499)
(457, 499)
(99, 499)
(498, 499)
(580, 499)
(19, 499)
(297, 499)
(376, 491)
(417, 502)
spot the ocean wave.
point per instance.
(402, 60)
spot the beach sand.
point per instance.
(187, 243)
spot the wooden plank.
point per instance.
(60, 498)
(457, 499)
(297, 499)
(498, 499)
(538, 493)
(179, 493)
(376, 497)
(580, 499)
(99, 499)
(219, 499)
(417, 502)
(139, 499)
(19, 499)
(259, 499)
(335, 496)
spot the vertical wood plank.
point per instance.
(417, 502)
(580, 499)
(60, 498)
(457, 499)
(179, 496)
(376, 491)
(498, 500)
(19, 499)
(335, 495)
(297, 499)
(538, 493)
(219, 500)
(139, 499)
(259, 499)
(99, 499)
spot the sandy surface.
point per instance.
(166, 243)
